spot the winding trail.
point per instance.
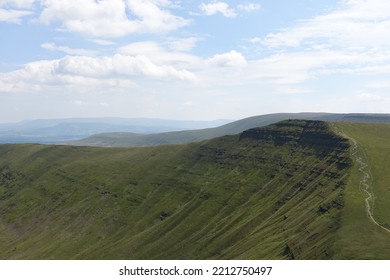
(364, 183)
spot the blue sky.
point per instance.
(192, 59)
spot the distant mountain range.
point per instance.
(59, 130)
(122, 139)
(140, 132)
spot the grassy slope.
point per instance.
(274, 192)
(359, 238)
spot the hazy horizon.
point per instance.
(179, 120)
(108, 117)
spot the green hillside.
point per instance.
(273, 192)
(359, 237)
(285, 191)
(123, 139)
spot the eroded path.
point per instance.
(366, 179)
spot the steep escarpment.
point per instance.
(273, 192)
(314, 134)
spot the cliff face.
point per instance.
(313, 134)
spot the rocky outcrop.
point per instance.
(314, 134)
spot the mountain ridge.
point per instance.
(188, 136)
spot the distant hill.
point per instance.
(122, 139)
(60, 130)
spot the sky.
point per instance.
(194, 60)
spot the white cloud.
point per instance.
(136, 65)
(25, 4)
(255, 40)
(158, 54)
(230, 59)
(380, 84)
(13, 11)
(188, 104)
(298, 67)
(83, 66)
(80, 103)
(142, 47)
(102, 42)
(111, 18)
(67, 50)
(342, 58)
(217, 7)
(372, 97)
(354, 24)
(249, 7)
(114, 71)
(183, 44)
(104, 104)
(153, 17)
(13, 16)
(348, 40)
